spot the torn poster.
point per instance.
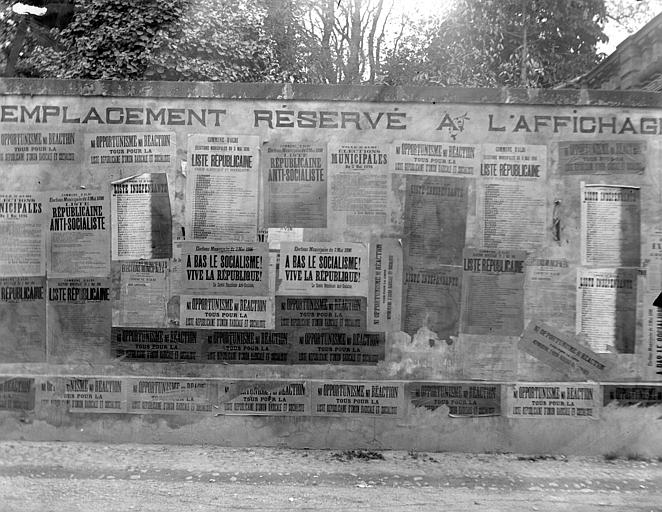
(463, 400)
(610, 225)
(263, 398)
(435, 220)
(79, 234)
(549, 292)
(295, 185)
(493, 292)
(83, 394)
(79, 317)
(22, 233)
(17, 394)
(512, 187)
(432, 300)
(143, 294)
(141, 220)
(222, 187)
(157, 345)
(357, 398)
(23, 319)
(562, 352)
(607, 308)
(182, 397)
(324, 268)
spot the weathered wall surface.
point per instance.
(330, 266)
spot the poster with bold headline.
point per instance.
(461, 399)
(124, 154)
(181, 397)
(226, 312)
(225, 268)
(78, 234)
(79, 319)
(263, 398)
(295, 184)
(222, 186)
(23, 319)
(363, 399)
(22, 233)
(156, 345)
(101, 395)
(551, 400)
(324, 268)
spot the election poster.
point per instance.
(436, 158)
(435, 220)
(17, 394)
(263, 398)
(610, 225)
(550, 292)
(341, 347)
(321, 314)
(385, 294)
(324, 268)
(140, 217)
(23, 319)
(22, 233)
(295, 185)
(157, 345)
(552, 400)
(607, 309)
(222, 186)
(358, 186)
(248, 347)
(432, 299)
(226, 312)
(100, 395)
(78, 234)
(225, 268)
(122, 154)
(143, 293)
(631, 394)
(359, 399)
(463, 400)
(182, 397)
(602, 157)
(37, 147)
(79, 316)
(493, 292)
(562, 352)
(511, 199)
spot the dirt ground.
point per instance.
(51, 476)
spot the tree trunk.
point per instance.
(353, 62)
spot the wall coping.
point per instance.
(298, 92)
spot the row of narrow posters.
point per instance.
(383, 399)
(404, 255)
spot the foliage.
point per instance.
(158, 40)
(464, 43)
(503, 42)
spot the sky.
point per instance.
(617, 34)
